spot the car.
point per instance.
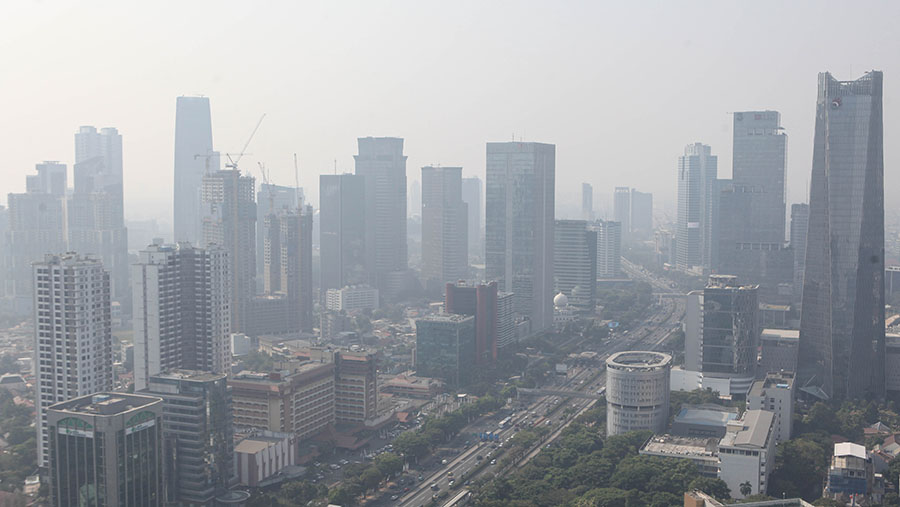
(394, 497)
(467, 483)
(479, 458)
(435, 487)
(420, 478)
(334, 466)
(393, 486)
(493, 462)
(443, 462)
(451, 483)
(434, 496)
(450, 473)
(405, 489)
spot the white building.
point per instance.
(181, 311)
(506, 320)
(776, 394)
(73, 335)
(263, 455)
(355, 297)
(747, 452)
(637, 391)
(609, 248)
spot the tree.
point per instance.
(711, 486)
(746, 488)
(389, 464)
(342, 495)
(370, 479)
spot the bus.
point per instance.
(504, 423)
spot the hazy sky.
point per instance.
(620, 89)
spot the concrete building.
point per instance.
(271, 199)
(841, 352)
(892, 362)
(262, 455)
(355, 383)
(106, 449)
(747, 452)
(851, 474)
(641, 213)
(637, 392)
(481, 302)
(410, 386)
(702, 452)
(198, 435)
(352, 298)
(445, 217)
(181, 312)
(778, 350)
(799, 227)
(519, 226)
(622, 209)
(609, 248)
(342, 231)
(703, 421)
(697, 172)
(587, 202)
(575, 262)
(230, 222)
(507, 332)
(383, 165)
(445, 348)
(776, 394)
(194, 157)
(73, 335)
(473, 196)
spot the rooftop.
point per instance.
(850, 449)
(750, 431)
(687, 447)
(781, 334)
(638, 360)
(105, 403)
(707, 415)
(200, 376)
(779, 380)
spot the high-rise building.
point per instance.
(842, 348)
(230, 222)
(799, 226)
(73, 335)
(342, 231)
(697, 170)
(622, 209)
(473, 196)
(444, 226)
(575, 262)
(519, 226)
(383, 165)
(194, 157)
(758, 167)
(181, 311)
(637, 392)
(5, 252)
(198, 435)
(351, 298)
(609, 248)
(106, 449)
(729, 333)
(587, 201)
(507, 333)
(641, 213)
(481, 302)
(37, 227)
(271, 198)
(445, 348)
(355, 382)
(96, 212)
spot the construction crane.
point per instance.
(269, 188)
(233, 163)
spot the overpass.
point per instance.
(522, 391)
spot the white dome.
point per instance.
(560, 300)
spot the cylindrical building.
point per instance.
(637, 391)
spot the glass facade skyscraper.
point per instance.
(193, 158)
(445, 348)
(697, 171)
(842, 351)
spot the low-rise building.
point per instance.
(703, 421)
(351, 297)
(747, 452)
(852, 475)
(411, 386)
(776, 394)
(703, 452)
(262, 455)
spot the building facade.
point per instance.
(445, 218)
(194, 157)
(697, 172)
(637, 392)
(729, 337)
(842, 347)
(799, 228)
(575, 262)
(342, 230)
(609, 248)
(271, 199)
(587, 202)
(775, 393)
(473, 196)
(445, 348)
(479, 301)
(641, 213)
(73, 335)
(747, 452)
(622, 209)
(352, 298)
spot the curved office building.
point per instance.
(637, 391)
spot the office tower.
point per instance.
(383, 165)
(729, 333)
(5, 252)
(473, 196)
(758, 168)
(194, 157)
(271, 198)
(587, 201)
(355, 382)
(73, 335)
(107, 450)
(445, 251)
(799, 226)
(198, 435)
(445, 348)
(519, 226)
(641, 213)
(230, 222)
(637, 392)
(342, 231)
(622, 209)
(182, 316)
(697, 170)
(842, 347)
(575, 262)
(294, 271)
(507, 332)
(36, 227)
(609, 248)
(481, 302)
(96, 212)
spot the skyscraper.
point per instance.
(194, 157)
(758, 168)
(641, 213)
(444, 227)
(73, 335)
(609, 248)
(519, 226)
(230, 222)
(473, 196)
(96, 212)
(575, 262)
(383, 165)
(271, 198)
(729, 334)
(622, 209)
(697, 170)
(842, 348)
(799, 226)
(182, 317)
(342, 231)
(587, 201)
